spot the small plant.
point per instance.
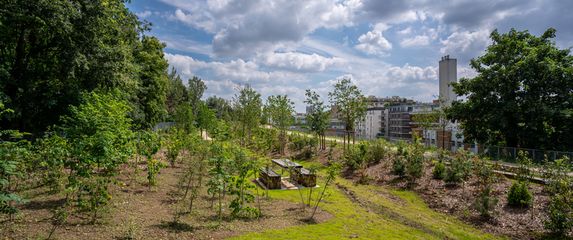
(399, 163)
(485, 202)
(376, 152)
(414, 163)
(333, 171)
(459, 169)
(354, 157)
(439, 171)
(560, 208)
(219, 176)
(519, 195)
(59, 217)
(153, 168)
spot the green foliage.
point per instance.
(98, 133)
(206, 119)
(399, 161)
(240, 186)
(152, 91)
(184, 117)
(521, 95)
(485, 202)
(376, 152)
(13, 155)
(176, 92)
(439, 171)
(280, 110)
(459, 168)
(196, 89)
(560, 186)
(53, 50)
(349, 102)
(174, 145)
(355, 156)
(220, 176)
(414, 162)
(247, 104)
(220, 106)
(153, 168)
(317, 119)
(519, 195)
(53, 151)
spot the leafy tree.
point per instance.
(52, 50)
(522, 94)
(240, 186)
(53, 151)
(350, 103)
(184, 117)
(221, 106)
(280, 109)
(196, 89)
(206, 119)
(220, 176)
(318, 118)
(247, 104)
(152, 93)
(98, 133)
(176, 92)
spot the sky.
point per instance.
(387, 48)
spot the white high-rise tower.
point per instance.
(448, 74)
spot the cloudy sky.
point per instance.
(388, 48)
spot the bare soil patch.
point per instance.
(148, 214)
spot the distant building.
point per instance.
(447, 75)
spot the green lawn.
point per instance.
(381, 214)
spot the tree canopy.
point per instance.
(349, 102)
(522, 95)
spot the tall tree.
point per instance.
(176, 92)
(318, 117)
(152, 93)
(350, 103)
(521, 96)
(196, 89)
(280, 110)
(248, 105)
(52, 50)
(221, 106)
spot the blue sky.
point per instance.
(388, 48)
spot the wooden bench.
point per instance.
(270, 178)
(303, 177)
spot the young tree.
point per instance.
(560, 185)
(521, 96)
(247, 104)
(485, 202)
(280, 109)
(98, 133)
(221, 106)
(196, 89)
(350, 103)
(333, 171)
(206, 119)
(220, 176)
(318, 117)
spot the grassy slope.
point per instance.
(382, 214)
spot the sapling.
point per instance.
(485, 203)
(560, 186)
(332, 171)
(519, 194)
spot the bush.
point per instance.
(459, 168)
(414, 163)
(399, 163)
(485, 203)
(376, 152)
(439, 171)
(354, 157)
(560, 214)
(519, 195)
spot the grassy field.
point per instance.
(372, 212)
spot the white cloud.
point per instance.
(296, 61)
(465, 43)
(417, 41)
(373, 42)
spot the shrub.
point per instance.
(459, 168)
(376, 152)
(560, 214)
(414, 163)
(485, 203)
(399, 166)
(354, 157)
(519, 195)
(439, 171)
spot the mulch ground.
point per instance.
(459, 201)
(141, 213)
